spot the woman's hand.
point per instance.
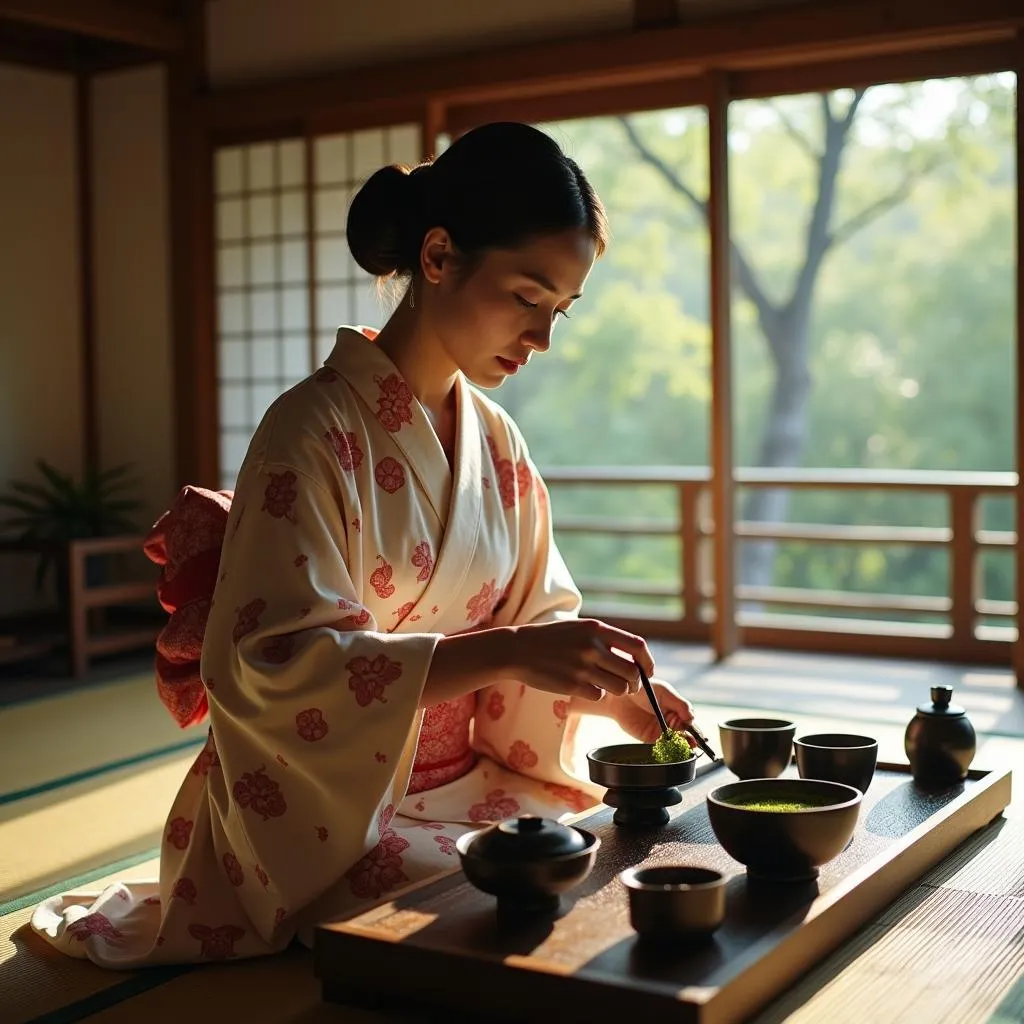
(576, 658)
(636, 717)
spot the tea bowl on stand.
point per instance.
(837, 757)
(640, 789)
(757, 748)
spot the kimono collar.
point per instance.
(391, 403)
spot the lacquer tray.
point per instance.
(439, 946)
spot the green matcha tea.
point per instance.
(671, 747)
(779, 805)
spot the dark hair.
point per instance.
(496, 187)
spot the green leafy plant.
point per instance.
(58, 509)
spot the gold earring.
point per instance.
(412, 296)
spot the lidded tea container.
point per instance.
(940, 741)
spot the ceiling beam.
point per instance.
(131, 24)
(805, 33)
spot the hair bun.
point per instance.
(381, 221)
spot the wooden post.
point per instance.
(1018, 647)
(86, 277)
(309, 154)
(190, 160)
(724, 632)
(689, 539)
(963, 583)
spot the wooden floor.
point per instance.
(866, 689)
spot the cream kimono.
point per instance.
(351, 549)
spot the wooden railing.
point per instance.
(926, 626)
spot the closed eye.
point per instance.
(533, 305)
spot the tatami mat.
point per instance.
(66, 832)
(35, 979)
(74, 735)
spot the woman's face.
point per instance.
(491, 321)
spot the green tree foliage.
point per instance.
(873, 316)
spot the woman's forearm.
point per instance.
(467, 662)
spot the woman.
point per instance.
(393, 653)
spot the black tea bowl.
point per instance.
(640, 789)
(783, 830)
(527, 862)
(837, 757)
(674, 902)
(757, 748)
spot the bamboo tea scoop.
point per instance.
(660, 715)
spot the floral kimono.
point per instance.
(350, 549)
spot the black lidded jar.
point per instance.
(940, 741)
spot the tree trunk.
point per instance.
(782, 444)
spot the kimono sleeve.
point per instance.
(522, 728)
(314, 711)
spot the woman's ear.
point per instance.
(436, 255)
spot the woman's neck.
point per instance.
(420, 358)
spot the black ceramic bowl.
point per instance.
(757, 748)
(639, 790)
(784, 845)
(626, 766)
(527, 862)
(837, 757)
(674, 902)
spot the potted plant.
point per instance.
(58, 510)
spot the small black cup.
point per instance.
(838, 757)
(757, 748)
(674, 902)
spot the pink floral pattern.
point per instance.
(207, 758)
(260, 793)
(496, 806)
(216, 943)
(402, 612)
(310, 725)
(447, 845)
(370, 676)
(480, 606)
(281, 495)
(179, 832)
(521, 756)
(575, 799)
(261, 876)
(322, 833)
(561, 709)
(93, 924)
(346, 448)
(423, 560)
(185, 889)
(496, 705)
(389, 474)
(236, 876)
(380, 579)
(248, 619)
(394, 403)
(380, 870)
